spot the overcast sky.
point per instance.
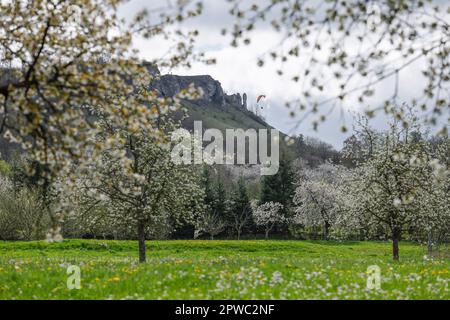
(237, 71)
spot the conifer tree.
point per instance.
(240, 209)
(280, 186)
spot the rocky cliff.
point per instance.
(169, 85)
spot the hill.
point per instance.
(216, 110)
(221, 111)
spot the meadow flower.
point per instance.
(277, 278)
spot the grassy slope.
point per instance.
(228, 116)
(219, 269)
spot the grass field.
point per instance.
(219, 270)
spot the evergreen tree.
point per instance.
(207, 185)
(213, 220)
(220, 197)
(280, 186)
(240, 214)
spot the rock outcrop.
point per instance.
(169, 85)
(234, 99)
(244, 100)
(152, 69)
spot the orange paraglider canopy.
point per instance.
(260, 97)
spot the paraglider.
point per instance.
(259, 98)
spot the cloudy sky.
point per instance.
(237, 71)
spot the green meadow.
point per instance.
(197, 269)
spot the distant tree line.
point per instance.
(384, 185)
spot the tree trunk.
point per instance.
(395, 251)
(430, 243)
(141, 238)
(239, 234)
(267, 234)
(326, 230)
(212, 237)
(361, 235)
